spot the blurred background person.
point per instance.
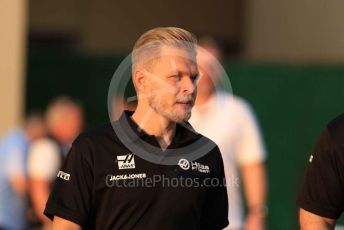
(64, 120)
(13, 172)
(229, 121)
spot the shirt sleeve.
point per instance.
(71, 196)
(322, 191)
(16, 163)
(215, 211)
(250, 147)
(44, 160)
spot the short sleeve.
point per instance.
(322, 191)
(250, 147)
(44, 160)
(71, 196)
(215, 211)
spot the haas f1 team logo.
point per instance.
(195, 166)
(126, 161)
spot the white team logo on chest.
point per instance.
(126, 161)
(195, 166)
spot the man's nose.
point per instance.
(188, 86)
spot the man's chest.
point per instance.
(127, 185)
(123, 177)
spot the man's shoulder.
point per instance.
(199, 136)
(236, 105)
(213, 149)
(199, 143)
(337, 124)
(336, 129)
(213, 156)
(195, 136)
(330, 143)
(98, 134)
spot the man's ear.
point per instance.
(140, 80)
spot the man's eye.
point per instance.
(177, 77)
(194, 77)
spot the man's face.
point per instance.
(172, 83)
(69, 126)
(210, 71)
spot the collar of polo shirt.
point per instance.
(184, 132)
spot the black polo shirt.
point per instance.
(323, 189)
(103, 185)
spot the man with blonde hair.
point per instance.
(106, 183)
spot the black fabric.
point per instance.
(88, 199)
(323, 189)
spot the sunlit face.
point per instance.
(209, 70)
(67, 128)
(172, 84)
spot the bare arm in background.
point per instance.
(19, 184)
(310, 221)
(43, 163)
(252, 154)
(254, 181)
(60, 223)
(39, 192)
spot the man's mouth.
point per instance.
(187, 103)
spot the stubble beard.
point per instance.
(175, 115)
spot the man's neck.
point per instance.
(155, 124)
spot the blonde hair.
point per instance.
(150, 42)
